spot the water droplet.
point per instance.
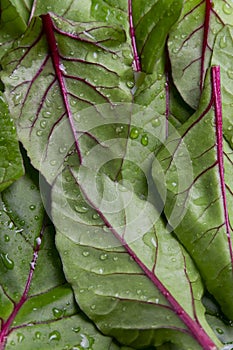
(6, 238)
(39, 133)
(103, 256)
(71, 53)
(53, 162)
(230, 73)
(227, 9)
(20, 337)
(134, 133)
(57, 312)
(32, 207)
(85, 342)
(119, 129)
(43, 124)
(22, 222)
(10, 225)
(55, 335)
(156, 300)
(93, 307)
(38, 335)
(47, 114)
(174, 184)
(115, 258)
(130, 84)
(9, 264)
(86, 253)
(223, 42)
(156, 122)
(38, 241)
(62, 150)
(81, 210)
(219, 330)
(95, 216)
(144, 140)
(76, 329)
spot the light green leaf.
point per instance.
(188, 51)
(109, 286)
(11, 163)
(93, 71)
(195, 203)
(152, 21)
(37, 306)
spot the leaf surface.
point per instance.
(50, 86)
(11, 164)
(196, 205)
(37, 305)
(191, 44)
(109, 286)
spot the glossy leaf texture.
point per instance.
(11, 163)
(221, 54)
(195, 205)
(46, 88)
(152, 21)
(191, 44)
(37, 305)
(12, 24)
(106, 227)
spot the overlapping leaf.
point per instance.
(37, 306)
(109, 286)
(91, 70)
(11, 165)
(191, 44)
(195, 205)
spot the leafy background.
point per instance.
(69, 283)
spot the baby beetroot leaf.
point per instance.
(113, 236)
(197, 208)
(55, 72)
(191, 44)
(37, 306)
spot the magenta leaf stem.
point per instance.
(136, 63)
(216, 86)
(58, 68)
(6, 326)
(194, 327)
(208, 8)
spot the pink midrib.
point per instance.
(216, 85)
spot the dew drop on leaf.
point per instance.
(130, 84)
(20, 337)
(219, 330)
(6, 238)
(86, 253)
(39, 133)
(103, 256)
(134, 133)
(38, 335)
(32, 207)
(55, 335)
(227, 9)
(223, 42)
(81, 209)
(144, 140)
(57, 312)
(8, 263)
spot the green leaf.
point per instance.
(191, 42)
(92, 71)
(152, 21)
(12, 24)
(195, 203)
(11, 164)
(37, 305)
(108, 284)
